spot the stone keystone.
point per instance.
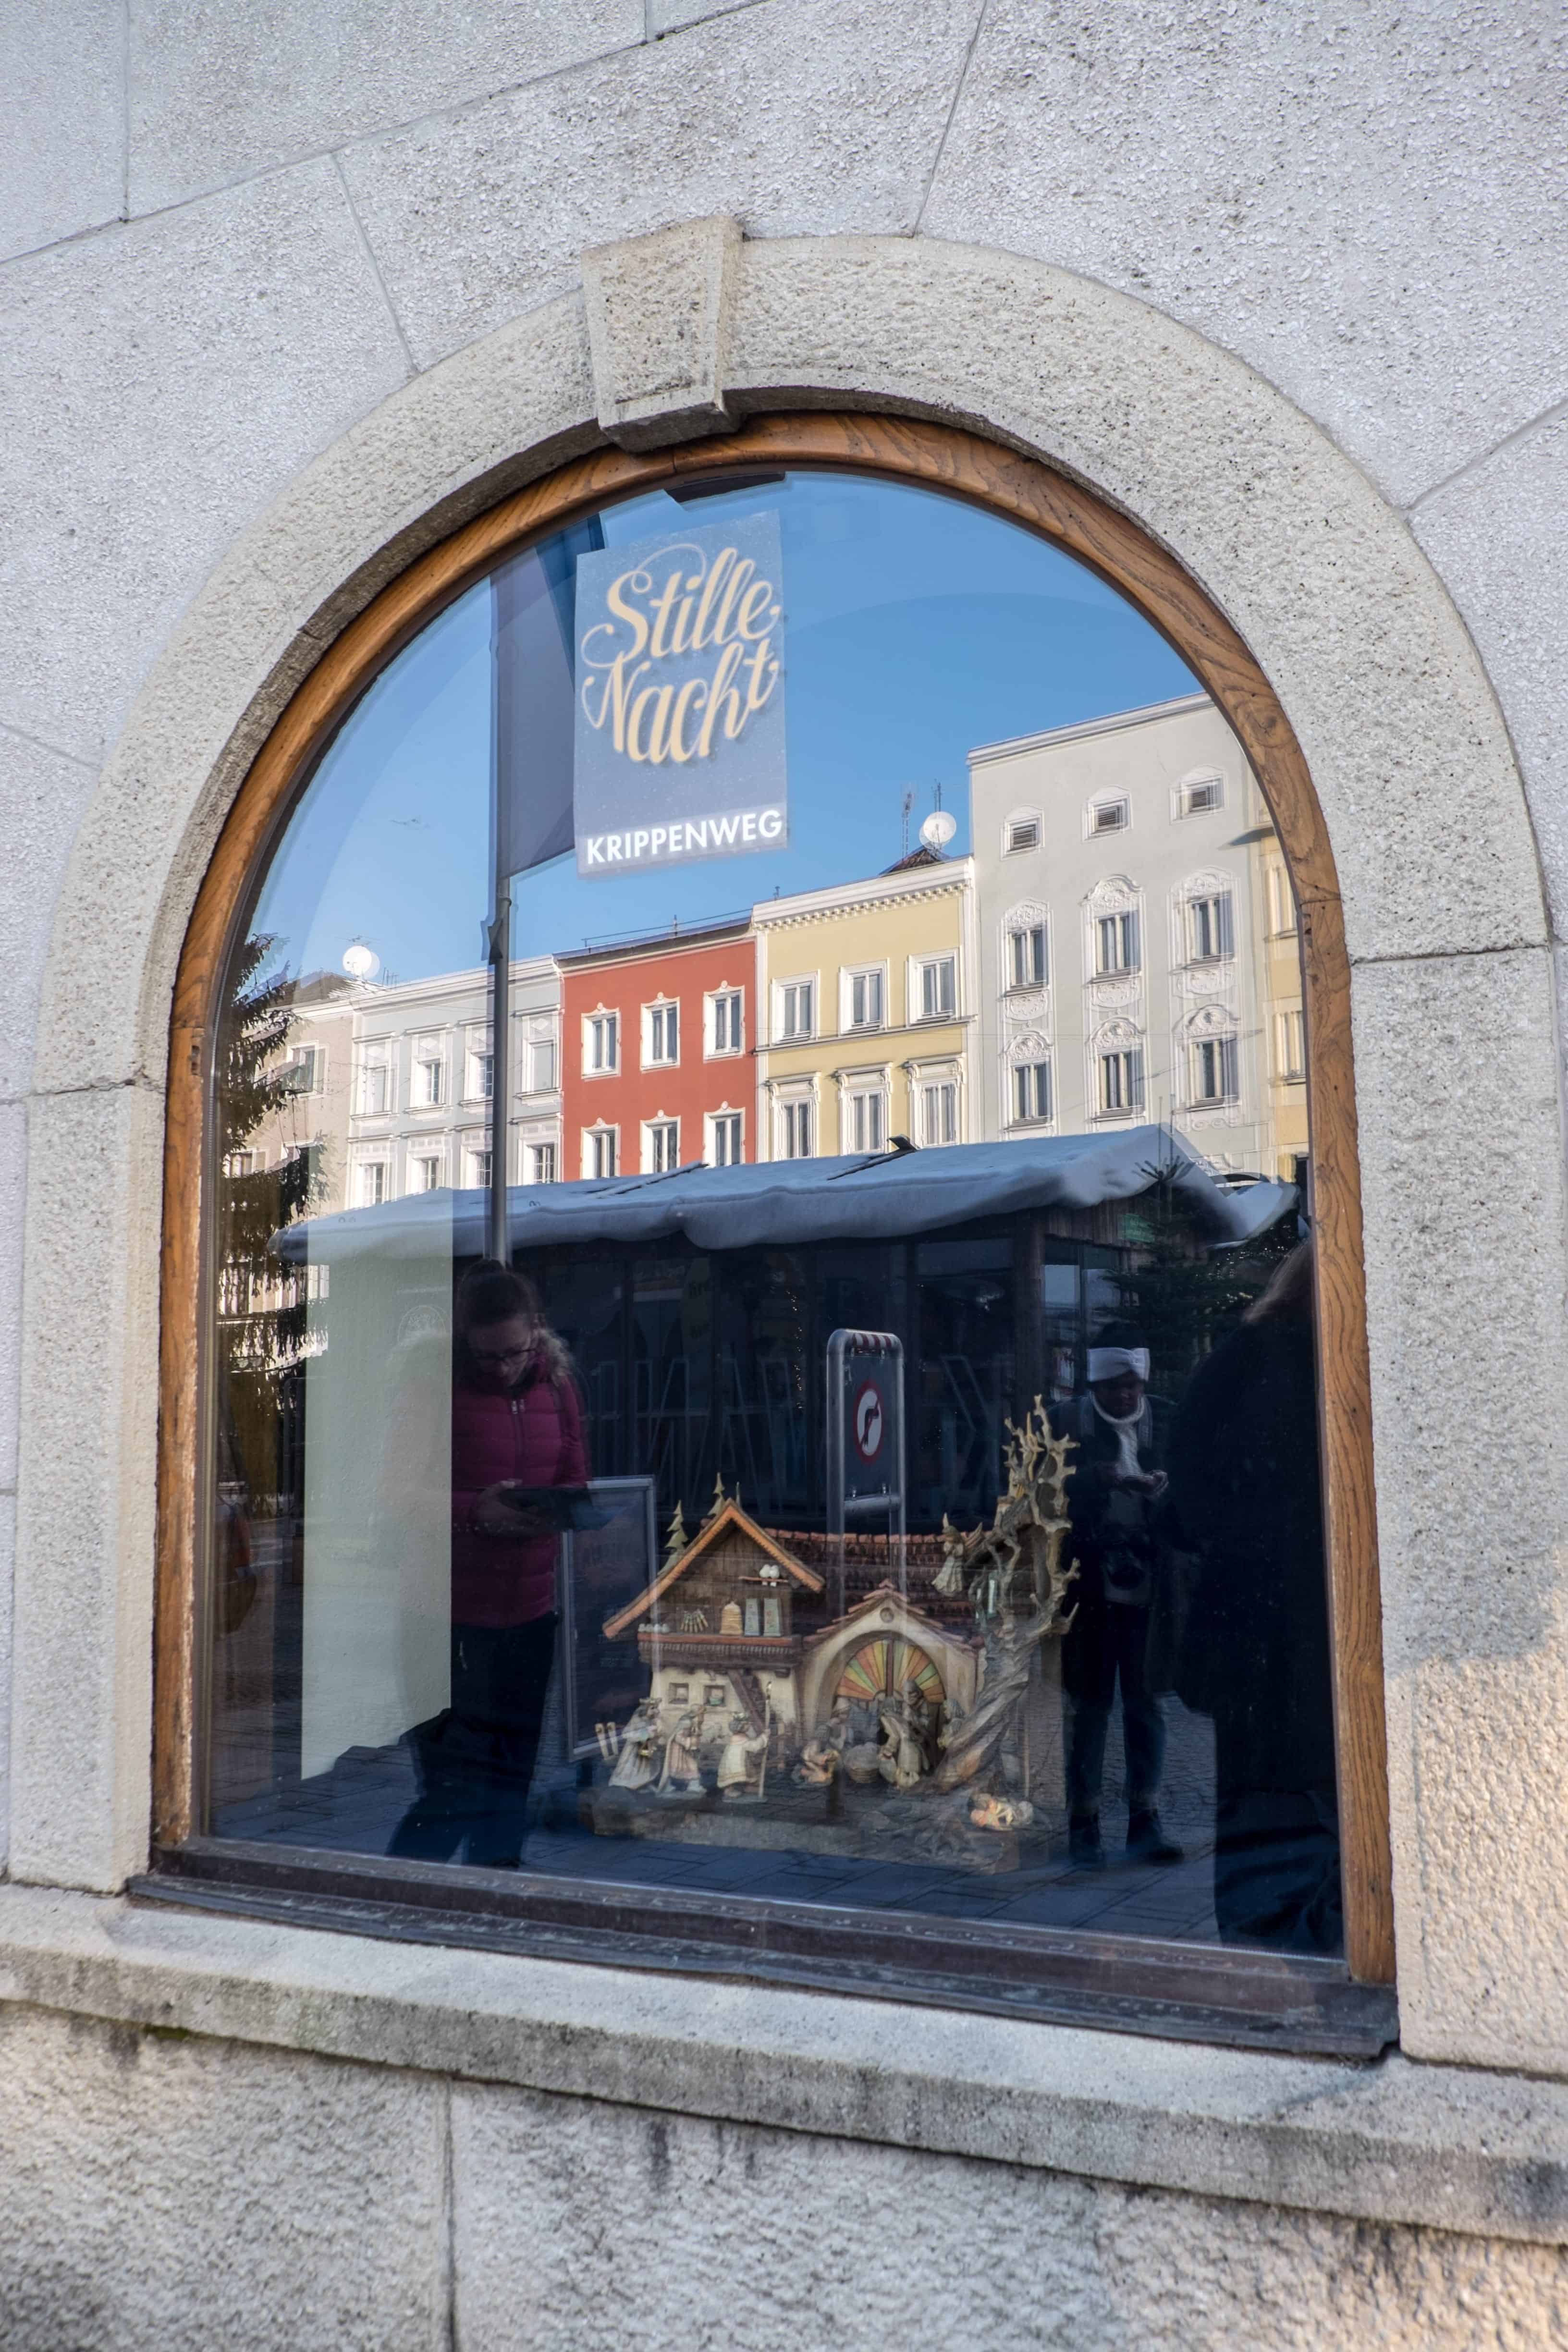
(659, 309)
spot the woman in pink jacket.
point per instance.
(517, 1424)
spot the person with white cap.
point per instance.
(1115, 1496)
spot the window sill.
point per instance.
(1244, 1999)
(1441, 2147)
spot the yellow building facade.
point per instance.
(866, 998)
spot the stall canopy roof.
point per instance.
(795, 1200)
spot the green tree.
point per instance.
(1182, 1293)
(262, 1302)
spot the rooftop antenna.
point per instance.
(904, 838)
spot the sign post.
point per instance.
(865, 1453)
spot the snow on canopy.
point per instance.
(782, 1201)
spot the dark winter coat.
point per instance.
(1245, 1492)
(534, 1436)
(1117, 1534)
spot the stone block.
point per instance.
(169, 2193)
(7, 1566)
(225, 92)
(579, 2225)
(162, 383)
(670, 16)
(1465, 1268)
(86, 1489)
(1244, 175)
(1498, 539)
(42, 796)
(660, 311)
(792, 120)
(12, 1186)
(62, 120)
(443, 447)
(1461, 1168)
(1340, 607)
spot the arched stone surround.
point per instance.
(1458, 1090)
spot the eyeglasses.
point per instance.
(501, 1355)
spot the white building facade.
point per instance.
(1136, 937)
(412, 1111)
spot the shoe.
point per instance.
(1147, 1842)
(1085, 1851)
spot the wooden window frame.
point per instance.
(1130, 1982)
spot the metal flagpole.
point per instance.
(500, 1067)
(533, 709)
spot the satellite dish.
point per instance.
(361, 963)
(938, 829)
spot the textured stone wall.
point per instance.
(230, 238)
(167, 2193)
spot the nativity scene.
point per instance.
(924, 1717)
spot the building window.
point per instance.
(866, 1120)
(795, 1129)
(600, 1044)
(1214, 1070)
(661, 1147)
(375, 1082)
(661, 1035)
(938, 1111)
(1116, 944)
(1290, 1044)
(796, 1010)
(1027, 957)
(725, 1019)
(1209, 934)
(1282, 904)
(1031, 1091)
(1121, 1081)
(427, 1090)
(305, 1070)
(241, 1164)
(865, 999)
(743, 1329)
(724, 1138)
(936, 987)
(1113, 815)
(540, 1065)
(1199, 794)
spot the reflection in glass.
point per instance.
(987, 1137)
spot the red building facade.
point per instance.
(656, 1049)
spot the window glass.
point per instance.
(858, 1453)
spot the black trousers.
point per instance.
(476, 1759)
(1109, 1645)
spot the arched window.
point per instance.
(662, 1240)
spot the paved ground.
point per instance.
(355, 1808)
